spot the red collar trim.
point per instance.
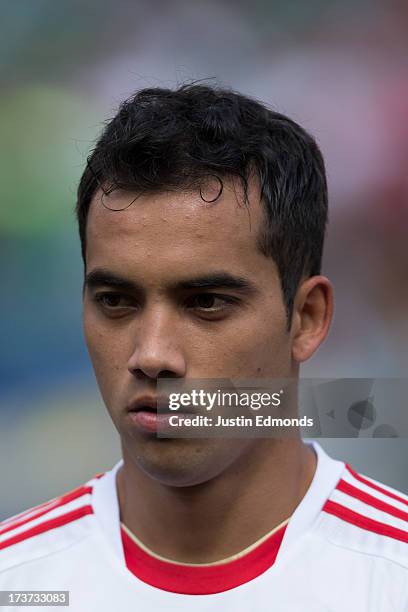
(207, 580)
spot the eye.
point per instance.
(211, 303)
(110, 301)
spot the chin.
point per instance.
(178, 462)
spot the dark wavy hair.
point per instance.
(165, 139)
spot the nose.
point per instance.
(157, 350)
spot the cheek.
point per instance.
(262, 347)
(106, 351)
(93, 336)
(102, 341)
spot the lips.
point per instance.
(143, 412)
(158, 405)
(146, 404)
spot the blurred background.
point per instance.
(339, 68)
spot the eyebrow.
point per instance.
(225, 280)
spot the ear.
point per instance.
(312, 315)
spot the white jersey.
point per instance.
(344, 548)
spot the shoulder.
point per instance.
(47, 528)
(367, 517)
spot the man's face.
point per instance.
(171, 318)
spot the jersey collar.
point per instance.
(328, 472)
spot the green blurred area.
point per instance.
(45, 134)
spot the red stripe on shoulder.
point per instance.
(376, 487)
(21, 515)
(44, 508)
(46, 504)
(364, 522)
(349, 489)
(32, 513)
(48, 525)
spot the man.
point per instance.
(202, 217)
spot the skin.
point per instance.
(193, 500)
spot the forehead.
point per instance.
(173, 228)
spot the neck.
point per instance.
(218, 518)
